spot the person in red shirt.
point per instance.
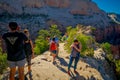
(53, 49)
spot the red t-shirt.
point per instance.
(53, 46)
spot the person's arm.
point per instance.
(78, 49)
(31, 43)
(56, 44)
(80, 46)
(72, 46)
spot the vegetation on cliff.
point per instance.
(85, 40)
(107, 48)
(3, 62)
(41, 43)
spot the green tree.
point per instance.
(69, 28)
(54, 31)
(85, 40)
(43, 33)
(41, 44)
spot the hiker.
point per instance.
(75, 54)
(57, 42)
(53, 49)
(14, 41)
(28, 50)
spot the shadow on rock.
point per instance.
(76, 76)
(62, 61)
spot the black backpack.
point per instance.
(28, 49)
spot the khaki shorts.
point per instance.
(13, 64)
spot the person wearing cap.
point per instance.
(14, 41)
(29, 50)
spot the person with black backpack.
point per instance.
(28, 50)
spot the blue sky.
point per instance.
(109, 5)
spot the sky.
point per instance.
(109, 5)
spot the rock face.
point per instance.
(65, 12)
(110, 34)
(85, 7)
(37, 14)
(115, 17)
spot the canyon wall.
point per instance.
(110, 34)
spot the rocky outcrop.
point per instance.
(76, 7)
(115, 17)
(58, 3)
(116, 51)
(66, 12)
(110, 34)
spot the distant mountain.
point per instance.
(40, 14)
(62, 12)
(115, 17)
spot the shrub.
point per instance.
(3, 62)
(41, 43)
(106, 47)
(117, 64)
(85, 40)
(54, 31)
(43, 33)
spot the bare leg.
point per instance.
(29, 68)
(21, 73)
(54, 56)
(12, 73)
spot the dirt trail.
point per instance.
(43, 69)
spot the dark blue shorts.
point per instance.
(54, 51)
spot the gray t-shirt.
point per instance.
(74, 52)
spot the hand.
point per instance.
(72, 45)
(75, 47)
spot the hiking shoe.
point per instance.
(69, 73)
(76, 72)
